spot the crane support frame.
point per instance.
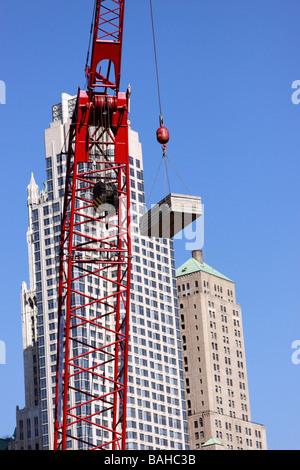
(95, 244)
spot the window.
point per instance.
(56, 207)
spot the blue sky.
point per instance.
(226, 72)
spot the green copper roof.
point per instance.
(192, 266)
(212, 442)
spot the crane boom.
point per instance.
(95, 251)
(107, 45)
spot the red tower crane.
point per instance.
(95, 246)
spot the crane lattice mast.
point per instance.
(96, 247)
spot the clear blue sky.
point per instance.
(226, 70)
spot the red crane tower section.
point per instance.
(95, 246)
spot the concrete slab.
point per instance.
(171, 215)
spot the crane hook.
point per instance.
(162, 133)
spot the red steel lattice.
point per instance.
(91, 378)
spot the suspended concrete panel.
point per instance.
(171, 215)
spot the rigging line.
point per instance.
(154, 180)
(167, 175)
(178, 174)
(164, 147)
(155, 54)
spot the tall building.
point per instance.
(217, 394)
(156, 414)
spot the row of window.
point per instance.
(136, 161)
(29, 430)
(139, 174)
(239, 439)
(183, 287)
(161, 443)
(217, 288)
(150, 254)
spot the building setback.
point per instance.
(214, 360)
(156, 414)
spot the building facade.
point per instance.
(156, 413)
(214, 361)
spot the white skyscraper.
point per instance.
(156, 416)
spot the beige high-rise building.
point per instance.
(214, 361)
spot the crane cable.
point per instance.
(156, 62)
(161, 122)
(164, 147)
